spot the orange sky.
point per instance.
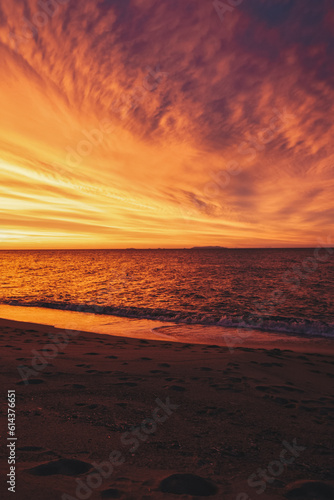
(146, 123)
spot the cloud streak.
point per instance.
(121, 118)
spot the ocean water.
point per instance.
(275, 290)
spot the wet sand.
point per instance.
(169, 420)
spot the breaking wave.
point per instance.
(297, 326)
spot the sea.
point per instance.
(199, 293)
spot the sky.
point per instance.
(166, 123)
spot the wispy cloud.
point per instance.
(185, 95)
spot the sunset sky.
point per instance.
(166, 123)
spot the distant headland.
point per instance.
(209, 248)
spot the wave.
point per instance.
(298, 326)
(279, 324)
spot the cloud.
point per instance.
(183, 95)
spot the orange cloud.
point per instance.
(146, 123)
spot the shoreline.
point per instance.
(154, 330)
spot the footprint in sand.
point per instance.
(30, 448)
(309, 490)
(75, 386)
(282, 401)
(127, 384)
(31, 381)
(178, 388)
(111, 493)
(64, 467)
(288, 388)
(188, 484)
(264, 388)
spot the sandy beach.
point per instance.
(168, 420)
(167, 250)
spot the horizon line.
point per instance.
(159, 248)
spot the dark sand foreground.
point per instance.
(249, 423)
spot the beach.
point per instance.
(166, 250)
(101, 416)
